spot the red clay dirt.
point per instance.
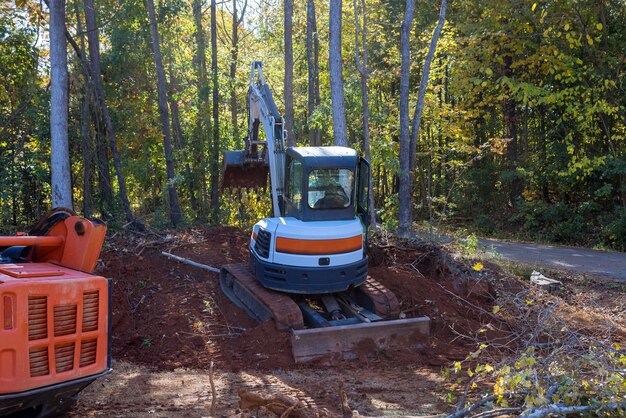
(168, 315)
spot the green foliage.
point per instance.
(484, 224)
(615, 232)
(523, 129)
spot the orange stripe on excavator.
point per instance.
(319, 246)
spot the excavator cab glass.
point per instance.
(320, 183)
(330, 188)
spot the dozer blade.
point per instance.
(346, 341)
(239, 172)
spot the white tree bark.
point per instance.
(174, 207)
(405, 210)
(336, 78)
(60, 154)
(363, 69)
(288, 38)
(312, 58)
(419, 107)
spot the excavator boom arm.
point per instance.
(249, 167)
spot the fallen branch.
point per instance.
(280, 405)
(462, 299)
(490, 398)
(562, 410)
(213, 391)
(191, 263)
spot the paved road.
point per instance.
(583, 260)
(604, 263)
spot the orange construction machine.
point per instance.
(54, 315)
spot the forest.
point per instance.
(520, 130)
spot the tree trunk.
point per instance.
(215, 148)
(86, 151)
(405, 212)
(419, 107)
(94, 58)
(174, 207)
(288, 38)
(105, 187)
(312, 58)
(363, 69)
(60, 154)
(234, 52)
(179, 140)
(509, 116)
(177, 130)
(336, 77)
(203, 121)
(84, 122)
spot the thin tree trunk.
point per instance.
(84, 122)
(105, 187)
(60, 154)
(234, 52)
(203, 119)
(86, 151)
(336, 77)
(94, 58)
(419, 107)
(177, 130)
(179, 140)
(174, 207)
(312, 55)
(363, 69)
(216, 124)
(405, 212)
(288, 39)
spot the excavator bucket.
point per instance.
(239, 172)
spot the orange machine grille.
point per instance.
(37, 317)
(64, 320)
(64, 357)
(39, 364)
(88, 350)
(91, 306)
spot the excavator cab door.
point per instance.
(363, 192)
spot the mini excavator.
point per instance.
(54, 315)
(308, 263)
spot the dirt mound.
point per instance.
(428, 281)
(169, 315)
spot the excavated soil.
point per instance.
(168, 315)
(170, 321)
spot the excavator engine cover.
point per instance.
(239, 172)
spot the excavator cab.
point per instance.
(324, 184)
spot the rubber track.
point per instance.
(285, 312)
(385, 302)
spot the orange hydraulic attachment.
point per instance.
(53, 311)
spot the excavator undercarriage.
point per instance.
(334, 324)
